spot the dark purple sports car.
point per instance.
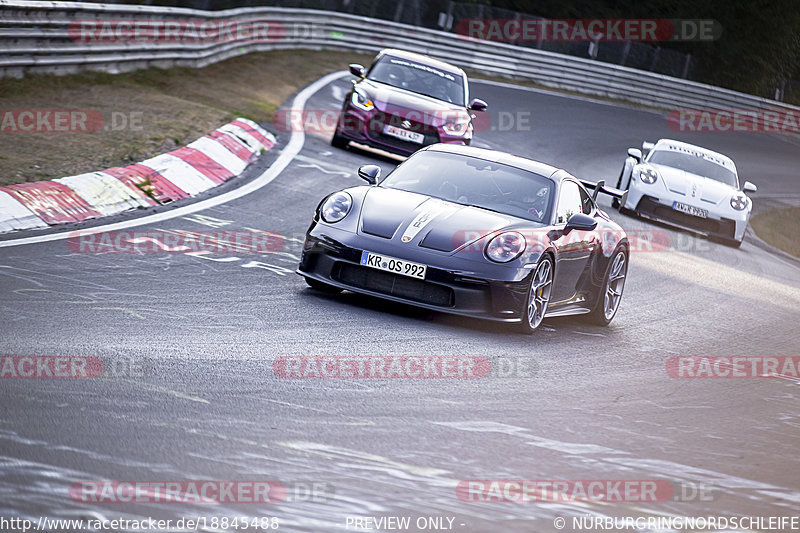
(405, 101)
(472, 232)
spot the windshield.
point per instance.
(419, 78)
(471, 181)
(695, 164)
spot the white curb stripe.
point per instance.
(180, 173)
(220, 154)
(14, 215)
(104, 193)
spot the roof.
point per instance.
(543, 169)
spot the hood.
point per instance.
(693, 186)
(411, 219)
(407, 104)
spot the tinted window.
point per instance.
(419, 78)
(569, 202)
(478, 182)
(695, 164)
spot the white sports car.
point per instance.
(689, 187)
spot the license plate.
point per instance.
(406, 135)
(392, 264)
(690, 210)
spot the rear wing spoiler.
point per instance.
(600, 186)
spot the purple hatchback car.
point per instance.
(406, 101)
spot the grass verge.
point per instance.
(169, 108)
(777, 228)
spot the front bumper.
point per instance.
(366, 127)
(329, 261)
(653, 201)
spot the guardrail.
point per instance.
(40, 37)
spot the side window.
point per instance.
(569, 201)
(587, 204)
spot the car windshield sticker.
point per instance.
(425, 68)
(697, 153)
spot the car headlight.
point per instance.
(362, 101)
(648, 175)
(456, 126)
(505, 247)
(336, 207)
(739, 202)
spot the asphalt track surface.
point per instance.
(596, 403)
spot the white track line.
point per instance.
(296, 141)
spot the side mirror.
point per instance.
(635, 153)
(478, 105)
(370, 173)
(580, 222)
(749, 187)
(357, 70)
(646, 146)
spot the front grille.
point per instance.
(393, 284)
(649, 206)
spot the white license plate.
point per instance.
(690, 210)
(406, 135)
(392, 264)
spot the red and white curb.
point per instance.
(187, 171)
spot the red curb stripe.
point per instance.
(232, 144)
(260, 137)
(203, 163)
(126, 177)
(134, 176)
(53, 202)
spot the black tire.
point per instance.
(531, 320)
(339, 140)
(322, 287)
(599, 314)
